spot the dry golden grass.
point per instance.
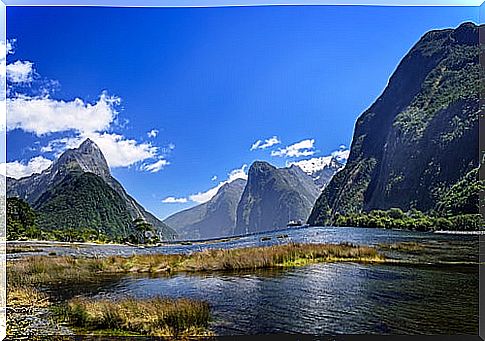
(22, 248)
(158, 316)
(41, 270)
(26, 297)
(154, 316)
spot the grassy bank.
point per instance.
(154, 316)
(42, 270)
(28, 277)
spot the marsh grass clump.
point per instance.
(22, 248)
(26, 297)
(154, 316)
(158, 316)
(277, 256)
(41, 270)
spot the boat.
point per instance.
(293, 223)
(296, 223)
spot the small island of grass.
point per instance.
(28, 277)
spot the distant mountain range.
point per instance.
(77, 191)
(212, 219)
(266, 201)
(419, 139)
(273, 196)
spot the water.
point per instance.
(325, 299)
(454, 247)
(437, 295)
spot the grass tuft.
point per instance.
(155, 316)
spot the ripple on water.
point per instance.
(326, 299)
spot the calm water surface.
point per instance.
(326, 299)
(434, 297)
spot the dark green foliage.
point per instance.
(20, 220)
(344, 193)
(83, 204)
(143, 232)
(411, 220)
(463, 197)
(419, 138)
(106, 213)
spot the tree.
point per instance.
(144, 231)
(20, 220)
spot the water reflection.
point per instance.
(326, 299)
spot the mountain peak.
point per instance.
(88, 157)
(261, 166)
(88, 143)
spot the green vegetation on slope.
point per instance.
(395, 218)
(419, 138)
(20, 220)
(463, 197)
(83, 201)
(81, 208)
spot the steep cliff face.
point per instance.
(419, 138)
(273, 196)
(58, 187)
(215, 218)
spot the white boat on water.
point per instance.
(296, 223)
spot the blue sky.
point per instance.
(208, 83)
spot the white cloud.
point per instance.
(173, 200)
(259, 144)
(316, 164)
(156, 166)
(302, 148)
(19, 170)
(6, 48)
(20, 72)
(118, 150)
(214, 178)
(3, 114)
(44, 115)
(152, 133)
(202, 197)
(77, 118)
(342, 154)
(312, 165)
(238, 173)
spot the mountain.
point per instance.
(273, 196)
(321, 169)
(78, 191)
(419, 138)
(215, 218)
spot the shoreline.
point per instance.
(224, 239)
(476, 232)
